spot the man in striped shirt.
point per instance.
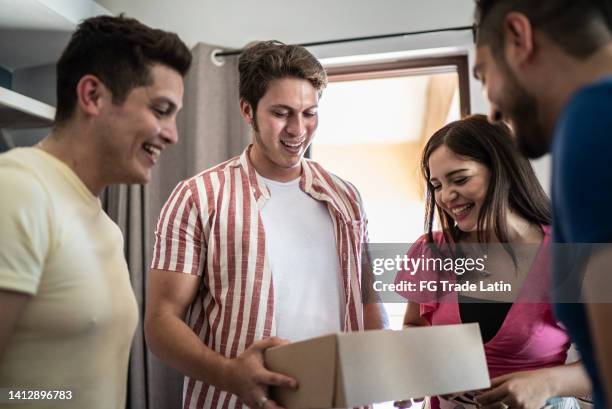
(261, 249)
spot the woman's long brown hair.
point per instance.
(513, 183)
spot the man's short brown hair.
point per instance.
(579, 27)
(266, 61)
(120, 52)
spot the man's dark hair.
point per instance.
(120, 52)
(579, 27)
(266, 61)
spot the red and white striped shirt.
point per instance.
(211, 227)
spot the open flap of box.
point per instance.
(379, 366)
(313, 364)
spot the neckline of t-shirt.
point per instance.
(74, 179)
(290, 183)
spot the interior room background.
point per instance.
(34, 32)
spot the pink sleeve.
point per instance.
(178, 236)
(417, 251)
(427, 309)
(427, 299)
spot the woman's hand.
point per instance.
(519, 390)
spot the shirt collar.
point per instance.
(310, 181)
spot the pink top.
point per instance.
(530, 337)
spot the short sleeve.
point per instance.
(25, 222)
(422, 274)
(178, 237)
(413, 277)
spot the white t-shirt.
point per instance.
(301, 249)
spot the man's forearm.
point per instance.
(568, 380)
(171, 340)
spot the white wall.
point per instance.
(36, 82)
(233, 23)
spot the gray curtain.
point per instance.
(210, 131)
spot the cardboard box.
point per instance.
(352, 369)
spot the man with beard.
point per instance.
(546, 67)
(264, 246)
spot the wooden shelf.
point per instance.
(18, 111)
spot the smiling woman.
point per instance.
(483, 191)
(474, 164)
(459, 185)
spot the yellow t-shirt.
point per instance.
(57, 244)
